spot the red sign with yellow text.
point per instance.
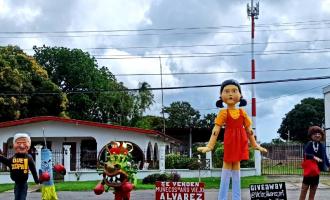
(179, 190)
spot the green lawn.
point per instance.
(5, 187)
(210, 183)
(282, 170)
(8, 186)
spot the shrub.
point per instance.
(217, 157)
(195, 153)
(175, 177)
(152, 178)
(176, 161)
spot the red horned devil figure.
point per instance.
(115, 164)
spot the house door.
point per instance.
(73, 156)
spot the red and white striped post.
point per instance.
(253, 12)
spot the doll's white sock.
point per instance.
(224, 184)
(236, 185)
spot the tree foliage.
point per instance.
(26, 89)
(181, 115)
(150, 122)
(207, 121)
(143, 99)
(94, 93)
(310, 111)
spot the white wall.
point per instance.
(5, 178)
(61, 130)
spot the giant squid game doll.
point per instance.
(237, 133)
(115, 165)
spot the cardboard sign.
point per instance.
(269, 191)
(179, 190)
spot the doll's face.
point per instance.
(230, 95)
(316, 137)
(21, 145)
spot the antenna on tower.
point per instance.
(253, 11)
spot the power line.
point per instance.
(3, 93)
(158, 34)
(246, 83)
(226, 72)
(213, 55)
(299, 23)
(195, 45)
(216, 53)
(291, 94)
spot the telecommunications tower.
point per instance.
(253, 13)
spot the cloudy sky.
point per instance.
(197, 43)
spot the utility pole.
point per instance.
(253, 13)
(162, 152)
(161, 86)
(190, 142)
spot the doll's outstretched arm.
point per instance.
(212, 141)
(251, 136)
(253, 142)
(219, 121)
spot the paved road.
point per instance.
(293, 184)
(293, 194)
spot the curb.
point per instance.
(33, 188)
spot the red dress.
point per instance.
(235, 139)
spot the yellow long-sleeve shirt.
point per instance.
(221, 118)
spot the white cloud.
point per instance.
(325, 6)
(110, 14)
(139, 66)
(20, 15)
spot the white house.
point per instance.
(85, 139)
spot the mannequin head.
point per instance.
(230, 94)
(22, 143)
(316, 133)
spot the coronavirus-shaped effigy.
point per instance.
(118, 172)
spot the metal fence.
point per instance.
(86, 160)
(281, 159)
(78, 161)
(83, 160)
(284, 159)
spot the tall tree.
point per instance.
(143, 99)
(207, 121)
(26, 89)
(308, 112)
(94, 93)
(181, 115)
